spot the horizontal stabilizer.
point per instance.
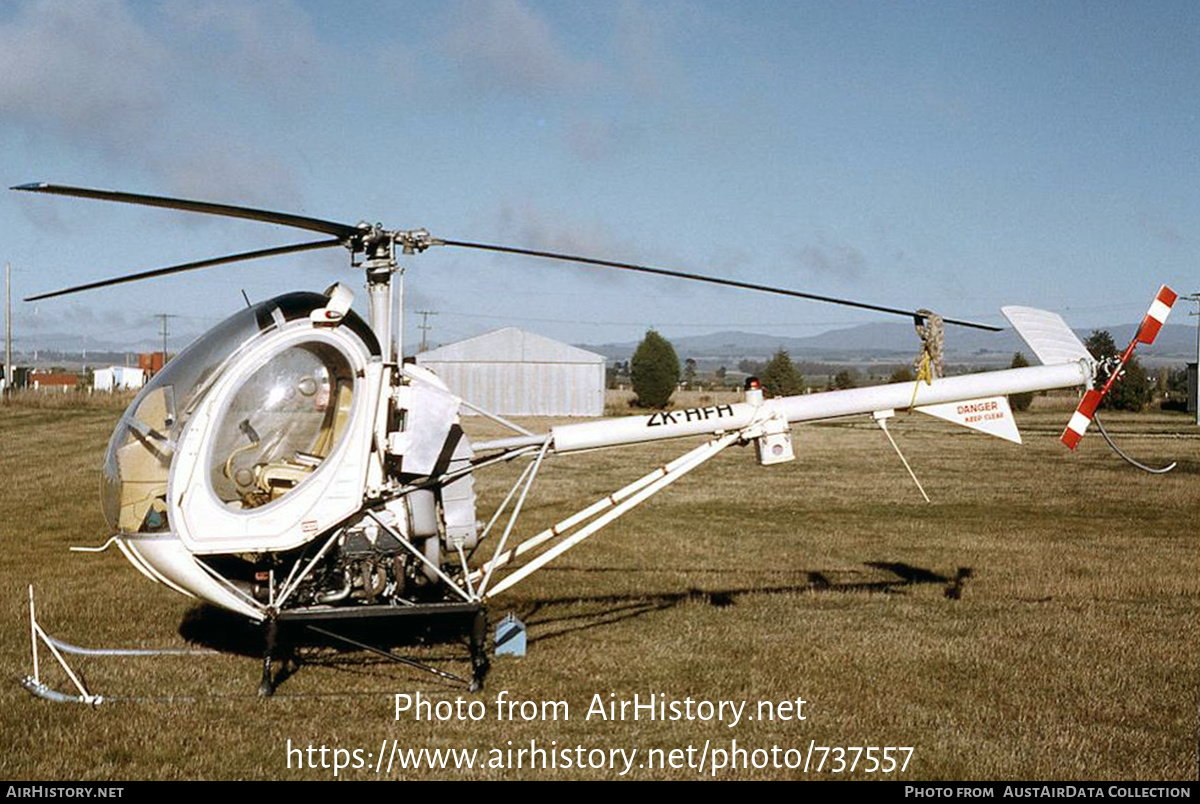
(991, 415)
(1047, 335)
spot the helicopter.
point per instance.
(290, 467)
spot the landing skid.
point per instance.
(281, 636)
(278, 643)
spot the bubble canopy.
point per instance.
(282, 421)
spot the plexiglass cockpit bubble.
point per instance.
(283, 421)
(312, 382)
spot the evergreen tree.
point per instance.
(654, 371)
(689, 372)
(781, 377)
(1020, 401)
(1130, 392)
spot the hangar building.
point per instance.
(511, 372)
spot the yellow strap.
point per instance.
(924, 372)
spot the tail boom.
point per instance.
(815, 407)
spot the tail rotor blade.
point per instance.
(1156, 316)
(1081, 418)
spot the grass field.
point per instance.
(1073, 653)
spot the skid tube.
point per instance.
(278, 633)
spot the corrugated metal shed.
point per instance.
(512, 372)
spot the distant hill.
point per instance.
(880, 343)
(891, 343)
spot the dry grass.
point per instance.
(68, 400)
(624, 402)
(1071, 655)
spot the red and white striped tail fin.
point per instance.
(1156, 316)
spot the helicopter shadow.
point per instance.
(355, 647)
(552, 617)
(364, 649)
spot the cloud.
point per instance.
(1162, 230)
(266, 43)
(504, 45)
(532, 228)
(833, 259)
(93, 76)
(647, 64)
(528, 226)
(86, 71)
(229, 172)
(592, 139)
(399, 68)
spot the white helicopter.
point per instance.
(288, 466)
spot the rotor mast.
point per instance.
(379, 263)
(378, 247)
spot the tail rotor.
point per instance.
(1151, 324)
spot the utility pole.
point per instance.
(424, 326)
(1194, 376)
(164, 317)
(8, 367)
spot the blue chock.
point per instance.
(510, 637)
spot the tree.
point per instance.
(1020, 401)
(748, 366)
(689, 372)
(654, 371)
(902, 374)
(1176, 395)
(610, 377)
(846, 378)
(781, 377)
(1130, 392)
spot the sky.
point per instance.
(950, 156)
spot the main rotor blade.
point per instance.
(341, 230)
(733, 283)
(190, 266)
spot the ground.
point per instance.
(1070, 652)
